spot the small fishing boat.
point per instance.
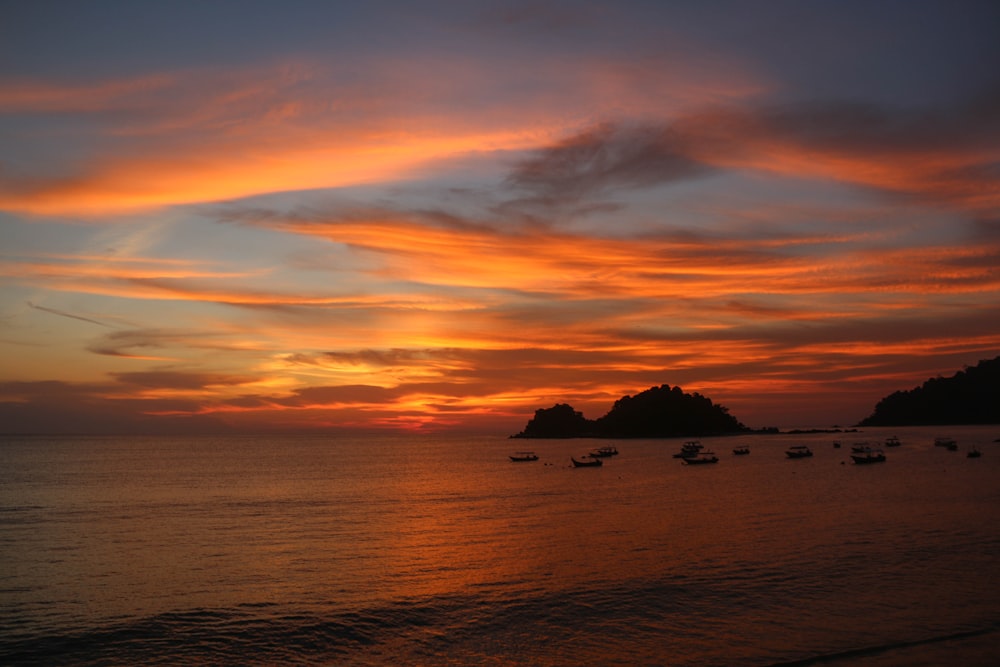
(943, 441)
(892, 441)
(701, 458)
(688, 450)
(974, 453)
(523, 456)
(872, 455)
(592, 463)
(741, 451)
(798, 452)
(604, 452)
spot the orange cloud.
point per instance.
(943, 157)
(125, 184)
(210, 135)
(30, 96)
(584, 267)
(946, 158)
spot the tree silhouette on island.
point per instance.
(971, 396)
(658, 412)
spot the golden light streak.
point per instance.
(126, 186)
(582, 267)
(113, 270)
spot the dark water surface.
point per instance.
(438, 550)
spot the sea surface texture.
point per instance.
(438, 550)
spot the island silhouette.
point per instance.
(658, 412)
(971, 396)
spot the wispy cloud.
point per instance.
(211, 134)
(18, 96)
(60, 313)
(947, 157)
(939, 157)
(589, 164)
(681, 265)
(127, 342)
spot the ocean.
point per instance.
(438, 550)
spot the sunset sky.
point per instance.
(268, 216)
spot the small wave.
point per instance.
(193, 636)
(264, 632)
(20, 508)
(869, 651)
(607, 621)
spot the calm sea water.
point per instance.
(440, 551)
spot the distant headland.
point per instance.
(971, 396)
(658, 412)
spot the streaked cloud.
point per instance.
(209, 134)
(69, 315)
(945, 157)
